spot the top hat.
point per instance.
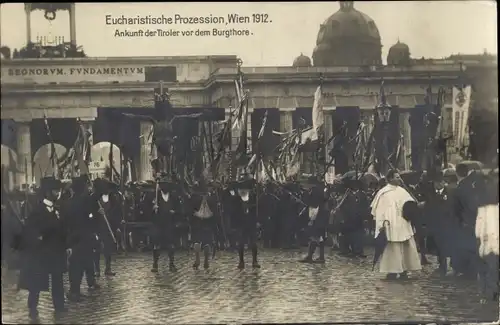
(50, 183)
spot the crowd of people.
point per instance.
(68, 230)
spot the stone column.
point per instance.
(146, 171)
(286, 119)
(24, 155)
(27, 10)
(72, 24)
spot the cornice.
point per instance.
(147, 60)
(147, 87)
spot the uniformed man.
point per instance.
(81, 211)
(165, 214)
(46, 249)
(246, 221)
(203, 222)
(318, 213)
(109, 219)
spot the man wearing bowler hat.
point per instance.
(81, 211)
(46, 249)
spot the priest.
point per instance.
(400, 255)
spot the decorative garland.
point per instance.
(50, 15)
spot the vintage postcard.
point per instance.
(249, 162)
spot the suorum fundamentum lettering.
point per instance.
(176, 19)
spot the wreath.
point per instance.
(50, 15)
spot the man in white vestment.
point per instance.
(400, 255)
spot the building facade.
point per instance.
(66, 89)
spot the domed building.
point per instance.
(399, 55)
(302, 61)
(348, 38)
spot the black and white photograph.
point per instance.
(250, 162)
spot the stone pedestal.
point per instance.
(24, 155)
(146, 171)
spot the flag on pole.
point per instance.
(460, 115)
(240, 122)
(318, 119)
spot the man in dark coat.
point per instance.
(289, 213)
(268, 207)
(318, 212)
(353, 213)
(246, 221)
(438, 220)
(110, 211)
(45, 249)
(230, 201)
(203, 222)
(165, 216)
(81, 211)
(464, 208)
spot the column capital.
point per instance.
(287, 109)
(23, 120)
(87, 119)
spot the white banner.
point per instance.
(460, 115)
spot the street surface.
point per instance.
(283, 291)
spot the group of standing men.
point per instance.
(65, 233)
(69, 232)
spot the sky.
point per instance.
(431, 28)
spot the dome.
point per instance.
(399, 54)
(302, 61)
(348, 37)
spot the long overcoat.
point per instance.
(81, 215)
(439, 221)
(45, 243)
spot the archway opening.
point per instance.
(105, 161)
(47, 162)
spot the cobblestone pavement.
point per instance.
(343, 290)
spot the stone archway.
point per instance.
(42, 164)
(101, 152)
(9, 168)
